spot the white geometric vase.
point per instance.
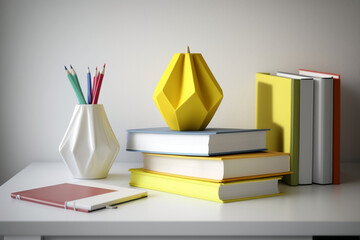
(89, 146)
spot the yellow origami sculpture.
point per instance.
(187, 94)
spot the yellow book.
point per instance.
(218, 192)
(278, 108)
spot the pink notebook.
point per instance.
(79, 197)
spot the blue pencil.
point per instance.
(89, 86)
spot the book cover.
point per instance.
(80, 196)
(224, 168)
(336, 119)
(208, 142)
(306, 125)
(218, 192)
(227, 180)
(278, 108)
(207, 131)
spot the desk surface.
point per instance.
(301, 211)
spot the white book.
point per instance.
(306, 125)
(208, 142)
(220, 168)
(323, 129)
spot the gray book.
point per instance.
(323, 129)
(306, 126)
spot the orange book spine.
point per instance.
(336, 132)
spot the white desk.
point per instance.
(302, 212)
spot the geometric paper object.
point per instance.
(89, 146)
(187, 94)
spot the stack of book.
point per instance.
(303, 112)
(221, 165)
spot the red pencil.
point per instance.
(96, 74)
(98, 85)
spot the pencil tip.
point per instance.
(71, 67)
(104, 65)
(65, 67)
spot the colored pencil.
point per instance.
(77, 91)
(78, 85)
(94, 83)
(89, 86)
(98, 86)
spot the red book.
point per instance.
(79, 197)
(336, 118)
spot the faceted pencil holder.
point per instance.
(89, 146)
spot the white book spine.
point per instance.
(306, 131)
(323, 127)
(306, 124)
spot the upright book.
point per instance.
(208, 142)
(278, 108)
(336, 110)
(80, 196)
(223, 168)
(306, 124)
(218, 192)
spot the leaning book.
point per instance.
(81, 197)
(218, 192)
(224, 168)
(209, 142)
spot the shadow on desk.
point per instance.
(183, 238)
(336, 238)
(347, 174)
(113, 178)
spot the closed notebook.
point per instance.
(218, 192)
(278, 108)
(80, 196)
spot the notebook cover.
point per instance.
(57, 195)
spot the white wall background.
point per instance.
(137, 39)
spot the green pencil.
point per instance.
(76, 87)
(78, 84)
